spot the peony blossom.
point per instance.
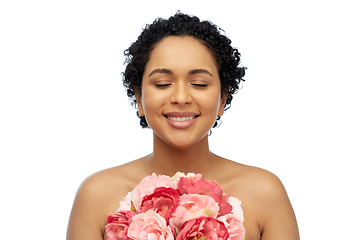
(185, 207)
(145, 187)
(131, 201)
(149, 183)
(149, 226)
(118, 225)
(236, 208)
(234, 226)
(176, 178)
(203, 228)
(194, 206)
(164, 201)
(205, 187)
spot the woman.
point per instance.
(181, 73)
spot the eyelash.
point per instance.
(200, 85)
(168, 84)
(162, 85)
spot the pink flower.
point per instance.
(203, 228)
(179, 175)
(118, 225)
(205, 187)
(164, 201)
(131, 201)
(149, 183)
(234, 226)
(186, 206)
(145, 187)
(194, 206)
(149, 226)
(236, 208)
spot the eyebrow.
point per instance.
(200, 70)
(168, 71)
(161, 70)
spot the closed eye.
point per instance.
(200, 85)
(162, 85)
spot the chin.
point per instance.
(185, 142)
(182, 146)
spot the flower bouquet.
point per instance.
(181, 207)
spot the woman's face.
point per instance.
(181, 93)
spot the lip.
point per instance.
(181, 124)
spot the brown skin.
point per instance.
(267, 210)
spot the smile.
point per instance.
(180, 119)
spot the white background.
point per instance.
(65, 115)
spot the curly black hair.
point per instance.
(226, 57)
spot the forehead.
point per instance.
(181, 53)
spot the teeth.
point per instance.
(180, 119)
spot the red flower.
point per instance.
(203, 228)
(118, 225)
(206, 187)
(163, 201)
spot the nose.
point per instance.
(181, 94)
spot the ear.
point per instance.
(139, 102)
(222, 105)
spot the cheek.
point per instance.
(151, 100)
(210, 102)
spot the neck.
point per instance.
(168, 160)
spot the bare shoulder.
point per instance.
(264, 181)
(108, 180)
(264, 188)
(248, 178)
(247, 182)
(98, 197)
(267, 209)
